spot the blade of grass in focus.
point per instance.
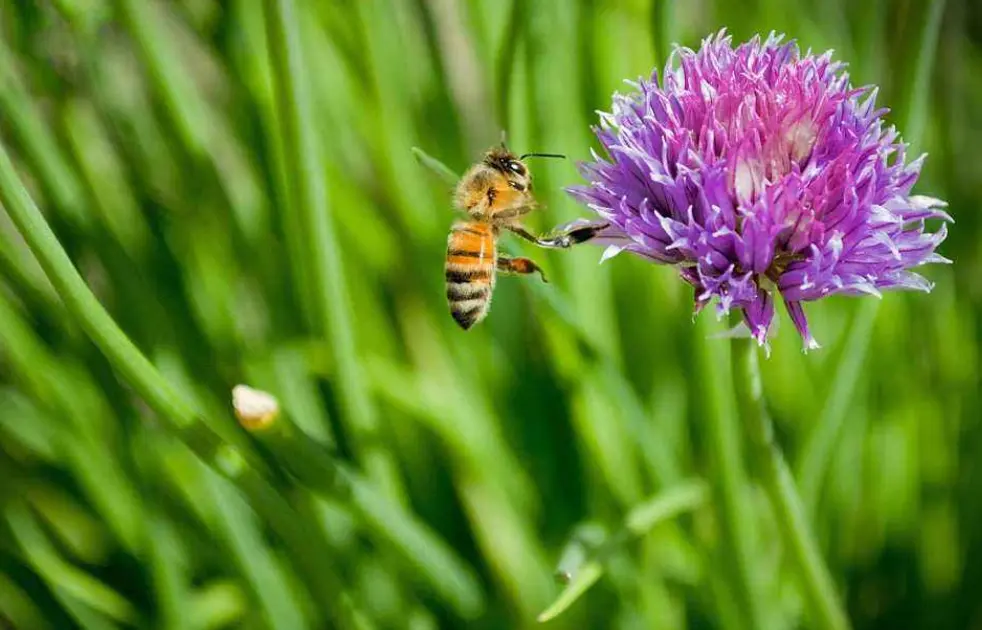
(315, 467)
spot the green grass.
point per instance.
(199, 194)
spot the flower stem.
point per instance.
(819, 589)
(730, 479)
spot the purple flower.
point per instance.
(759, 171)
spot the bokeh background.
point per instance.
(147, 132)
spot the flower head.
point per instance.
(759, 171)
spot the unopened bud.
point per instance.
(255, 409)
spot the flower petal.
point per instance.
(797, 314)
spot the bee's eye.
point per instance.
(516, 167)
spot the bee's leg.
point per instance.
(519, 266)
(514, 213)
(562, 240)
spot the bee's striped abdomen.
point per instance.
(470, 271)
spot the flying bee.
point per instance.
(496, 193)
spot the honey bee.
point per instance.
(496, 193)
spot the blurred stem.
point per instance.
(920, 85)
(40, 147)
(183, 101)
(730, 487)
(82, 304)
(819, 589)
(305, 175)
(430, 557)
(813, 465)
(43, 557)
(663, 30)
(309, 552)
(506, 60)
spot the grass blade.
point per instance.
(731, 486)
(43, 557)
(820, 443)
(305, 172)
(686, 496)
(816, 581)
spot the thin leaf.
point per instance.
(70, 580)
(687, 495)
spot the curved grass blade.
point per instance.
(184, 418)
(686, 496)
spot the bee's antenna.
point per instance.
(545, 155)
(504, 139)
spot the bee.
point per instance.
(496, 193)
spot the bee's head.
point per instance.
(511, 166)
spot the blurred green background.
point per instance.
(147, 132)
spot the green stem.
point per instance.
(82, 304)
(816, 581)
(731, 487)
(390, 523)
(309, 552)
(812, 466)
(305, 176)
(582, 566)
(184, 104)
